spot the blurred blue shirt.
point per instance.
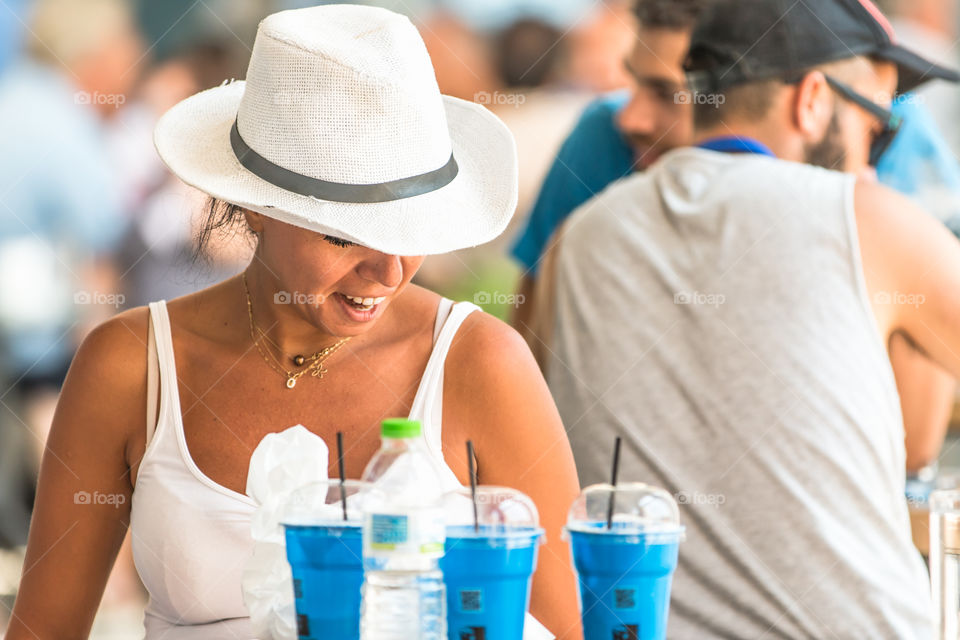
(59, 207)
(12, 19)
(593, 155)
(918, 164)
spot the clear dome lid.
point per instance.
(500, 510)
(632, 508)
(945, 501)
(320, 503)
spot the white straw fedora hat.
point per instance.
(340, 128)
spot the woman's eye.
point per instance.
(338, 242)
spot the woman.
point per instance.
(347, 164)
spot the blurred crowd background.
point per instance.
(91, 223)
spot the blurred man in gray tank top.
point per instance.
(727, 312)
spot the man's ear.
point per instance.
(254, 220)
(813, 106)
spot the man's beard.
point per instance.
(829, 152)
(645, 151)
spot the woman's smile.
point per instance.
(359, 309)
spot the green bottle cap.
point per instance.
(400, 428)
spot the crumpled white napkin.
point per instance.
(282, 463)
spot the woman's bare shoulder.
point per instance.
(117, 344)
(103, 398)
(489, 357)
(110, 365)
(484, 338)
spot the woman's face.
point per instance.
(340, 287)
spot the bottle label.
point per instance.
(420, 533)
(388, 532)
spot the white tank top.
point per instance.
(191, 536)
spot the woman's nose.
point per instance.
(382, 268)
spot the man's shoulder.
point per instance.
(604, 108)
(694, 173)
(597, 125)
(592, 156)
(611, 204)
(762, 171)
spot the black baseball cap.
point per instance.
(738, 41)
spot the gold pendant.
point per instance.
(291, 383)
(318, 372)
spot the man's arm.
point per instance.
(913, 259)
(927, 394)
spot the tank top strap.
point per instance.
(163, 342)
(428, 403)
(443, 311)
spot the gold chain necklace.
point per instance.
(315, 368)
(298, 360)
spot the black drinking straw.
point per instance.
(613, 481)
(343, 490)
(473, 485)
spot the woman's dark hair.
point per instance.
(221, 219)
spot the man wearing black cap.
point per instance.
(727, 312)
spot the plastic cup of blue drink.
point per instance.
(487, 568)
(625, 570)
(325, 553)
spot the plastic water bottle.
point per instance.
(945, 562)
(403, 538)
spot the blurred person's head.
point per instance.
(95, 43)
(780, 73)
(655, 119)
(202, 65)
(596, 43)
(528, 53)
(461, 57)
(939, 16)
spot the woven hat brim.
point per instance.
(193, 140)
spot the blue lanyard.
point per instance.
(734, 144)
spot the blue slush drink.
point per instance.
(327, 567)
(625, 571)
(325, 552)
(487, 569)
(487, 574)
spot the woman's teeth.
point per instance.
(364, 304)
